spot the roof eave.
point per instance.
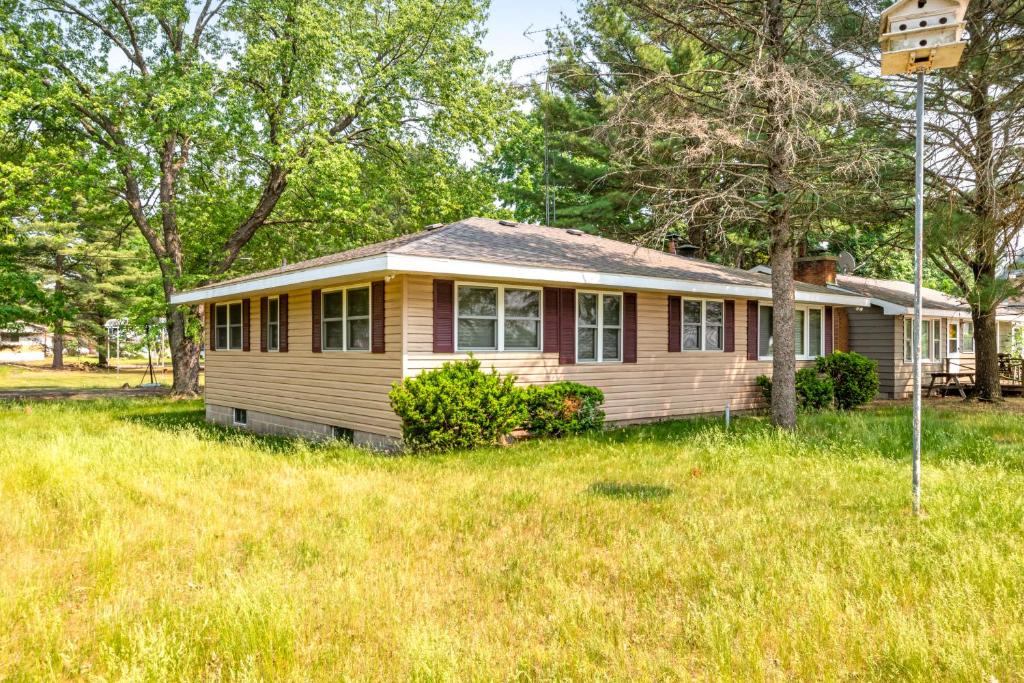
(432, 265)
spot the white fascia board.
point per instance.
(935, 313)
(330, 271)
(405, 263)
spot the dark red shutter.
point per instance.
(730, 326)
(246, 320)
(211, 321)
(317, 327)
(828, 330)
(567, 326)
(751, 330)
(377, 327)
(629, 327)
(675, 332)
(551, 328)
(282, 323)
(264, 311)
(444, 316)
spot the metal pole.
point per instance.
(918, 269)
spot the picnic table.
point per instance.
(948, 379)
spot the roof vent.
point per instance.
(574, 231)
(687, 250)
(509, 224)
(435, 226)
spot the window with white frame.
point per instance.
(967, 337)
(229, 326)
(345, 319)
(931, 340)
(498, 318)
(703, 325)
(598, 327)
(273, 324)
(808, 332)
(952, 338)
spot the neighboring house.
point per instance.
(23, 342)
(883, 330)
(314, 347)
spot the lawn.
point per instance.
(141, 544)
(81, 373)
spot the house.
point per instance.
(882, 331)
(313, 348)
(24, 342)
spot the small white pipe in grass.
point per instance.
(727, 416)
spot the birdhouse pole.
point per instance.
(918, 36)
(918, 276)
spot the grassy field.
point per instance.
(80, 374)
(141, 544)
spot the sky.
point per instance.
(510, 21)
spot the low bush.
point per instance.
(854, 378)
(813, 391)
(563, 409)
(457, 406)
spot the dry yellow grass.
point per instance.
(140, 544)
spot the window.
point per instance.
(498, 318)
(273, 324)
(598, 327)
(229, 326)
(345, 319)
(931, 340)
(703, 325)
(342, 434)
(952, 338)
(808, 332)
(240, 416)
(967, 337)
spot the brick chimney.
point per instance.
(815, 270)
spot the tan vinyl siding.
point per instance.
(344, 389)
(659, 385)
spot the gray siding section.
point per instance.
(873, 334)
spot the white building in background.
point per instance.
(26, 342)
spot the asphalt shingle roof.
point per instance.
(491, 241)
(900, 293)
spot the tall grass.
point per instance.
(142, 544)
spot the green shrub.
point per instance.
(457, 406)
(564, 408)
(813, 391)
(854, 377)
(764, 383)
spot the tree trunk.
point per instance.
(784, 346)
(102, 361)
(184, 351)
(986, 356)
(58, 345)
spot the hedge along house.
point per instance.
(314, 347)
(882, 331)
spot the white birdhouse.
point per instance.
(920, 35)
